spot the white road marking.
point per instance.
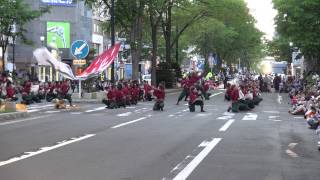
(298, 117)
(226, 125)
(44, 149)
(34, 110)
(279, 100)
(224, 117)
(23, 120)
(292, 145)
(124, 114)
(228, 114)
(250, 117)
(39, 106)
(216, 94)
(127, 123)
(96, 109)
(273, 117)
(277, 120)
(76, 113)
(291, 153)
(50, 112)
(131, 107)
(171, 115)
(185, 173)
(272, 112)
(203, 114)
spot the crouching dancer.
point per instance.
(110, 100)
(160, 94)
(196, 98)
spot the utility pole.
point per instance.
(112, 36)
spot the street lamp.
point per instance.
(13, 36)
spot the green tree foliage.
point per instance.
(299, 22)
(228, 30)
(280, 49)
(14, 14)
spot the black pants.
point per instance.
(184, 94)
(192, 106)
(110, 104)
(51, 96)
(158, 105)
(67, 97)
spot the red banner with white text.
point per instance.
(102, 62)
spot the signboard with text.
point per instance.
(79, 62)
(59, 2)
(58, 34)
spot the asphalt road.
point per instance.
(135, 143)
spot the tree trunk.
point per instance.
(136, 41)
(154, 26)
(167, 32)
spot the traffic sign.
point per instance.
(80, 49)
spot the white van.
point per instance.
(147, 78)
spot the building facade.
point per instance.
(67, 21)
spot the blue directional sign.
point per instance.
(80, 49)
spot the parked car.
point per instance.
(147, 78)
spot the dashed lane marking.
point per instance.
(298, 117)
(272, 112)
(51, 112)
(76, 113)
(45, 149)
(127, 123)
(273, 117)
(23, 120)
(194, 161)
(226, 125)
(216, 94)
(124, 114)
(95, 109)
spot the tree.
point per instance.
(129, 18)
(14, 14)
(280, 49)
(298, 21)
(229, 31)
(155, 12)
(183, 14)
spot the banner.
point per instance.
(45, 58)
(102, 62)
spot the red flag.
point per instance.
(102, 62)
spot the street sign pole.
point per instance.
(80, 88)
(112, 37)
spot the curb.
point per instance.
(13, 115)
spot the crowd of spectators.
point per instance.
(305, 101)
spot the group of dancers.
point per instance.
(195, 91)
(243, 97)
(129, 93)
(33, 91)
